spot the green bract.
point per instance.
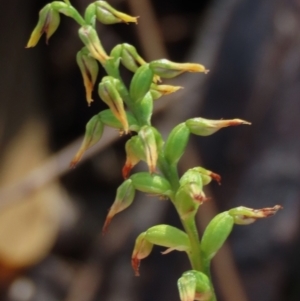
(216, 233)
(176, 143)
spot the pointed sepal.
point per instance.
(124, 198)
(93, 133)
(89, 70)
(167, 69)
(205, 127)
(89, 37)
(135, 152)
(106, 14)
(245, 216)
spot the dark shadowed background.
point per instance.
(51, 246)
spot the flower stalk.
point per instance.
(130, 111)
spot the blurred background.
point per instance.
(51, 246)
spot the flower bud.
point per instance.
(158, 91)
(89, 70)
(207, 175)
(134, 153)
(106, 14)
(110, 95)
(108, 118)
(176, 143)
(246, 216)
(130, 59)
(194, 285)
(160, 235)
(167, 69)
(142, 249)
(148, 140)
(188, 198)
(93, 134)
(152, 184)
(205, 127)
(89, 37)
(140, 83)
(216, 234)
(124, 198)
(48, 22)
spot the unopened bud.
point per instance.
(148, 140)
(167, 69)
(194, 285)
(134, 153)
(48, 22)
(89, 70)
(160, 235)
(93, 134)
(130, 58)
(106, 14)
(110, 95)
(189, 197)
(205, 127)
(89, 37)
(124, 198)
(142, 249)
(245, 216)
(207, 175)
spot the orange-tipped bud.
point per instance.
(246, 216)
(89, 70)
(124, 198)
(48, 22)
(160, 235)
(167, 69)
(147, 137)
(207, 175)
(134, 153)
(205, 127)
(106, 14)
(142, 249)
(89, 37)
(109, 94)
(93, 134)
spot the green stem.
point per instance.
(190, 228)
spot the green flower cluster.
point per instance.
(130, 110)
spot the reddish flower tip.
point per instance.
(135, 263)
(126, 170)
(106, 224)
(216, 177)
